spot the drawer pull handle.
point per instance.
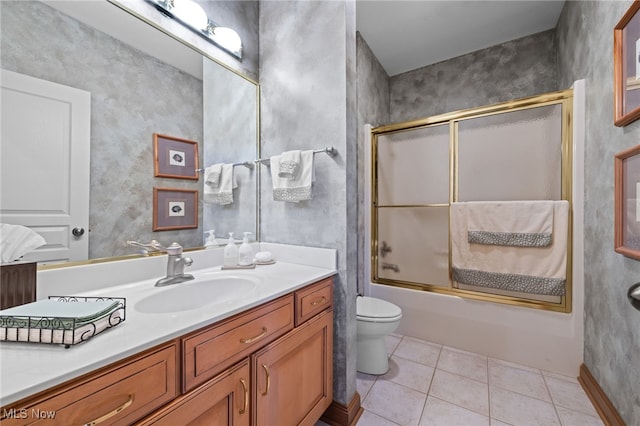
(253, 339)
(112, 413)
(266, 371)
(246, 396)
(319, 301)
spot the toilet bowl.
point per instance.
(376, 318)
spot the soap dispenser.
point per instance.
(245, 252)
(210, 240)
(230, 252)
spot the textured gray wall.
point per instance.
(511, 70)
(307, 76)
(130, 100)
(612, 335)
(373, 108)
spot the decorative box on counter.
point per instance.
(17, 284)
(64, 320)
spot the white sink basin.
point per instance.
(203, 291)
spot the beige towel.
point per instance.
(511, 223)
(536, 270)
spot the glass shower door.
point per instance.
(412, 226)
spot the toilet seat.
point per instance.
(372, 309)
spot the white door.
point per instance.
(44, 160)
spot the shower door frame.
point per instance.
(563, 98)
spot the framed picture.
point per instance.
(174, 209)
(627, 202)
(626, 66)
(175, 157)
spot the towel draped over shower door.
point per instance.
(528, 266)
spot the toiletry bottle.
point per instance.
(211, 239)
(245, 253)
(230, 252)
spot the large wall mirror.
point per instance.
(141, 81)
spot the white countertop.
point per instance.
(27, 368)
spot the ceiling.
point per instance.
(406, 35)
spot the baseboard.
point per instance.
(343, 415)
(599, 399)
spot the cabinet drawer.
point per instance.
(118, 395)
(207, 352)
(313, 299)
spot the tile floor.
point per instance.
(431, 384)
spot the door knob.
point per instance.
(634, 295)
(77, 232)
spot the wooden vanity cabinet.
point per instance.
(271, 365)
(116, 395)
(291, 380)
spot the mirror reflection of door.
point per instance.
(45, 150)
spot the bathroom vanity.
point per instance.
(262, 361)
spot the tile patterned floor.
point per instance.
(431, 384)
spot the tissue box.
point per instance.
(17, 284)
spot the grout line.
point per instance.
(555, 407)
(488, 390)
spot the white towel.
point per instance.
(297, 189)
(17, 240)
(511, 223)
(212, 175)
(223, 193)
(535, 270)
(289, 164)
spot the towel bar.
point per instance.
(331, 151)
(246, 164)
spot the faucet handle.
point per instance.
(173, 248)
(152, 246)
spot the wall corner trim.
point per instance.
(599, 398)
(343, 415)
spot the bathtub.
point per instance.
(550, 341)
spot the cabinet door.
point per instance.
(293, 376)
(224, 400)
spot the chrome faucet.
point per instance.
(175, 262)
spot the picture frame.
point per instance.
(174, 208)
(626, 66)
(175, 157)
(627, 202)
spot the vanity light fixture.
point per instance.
(192, 15)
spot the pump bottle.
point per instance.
(245, 253)
(230, 252)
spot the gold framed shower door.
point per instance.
(564, 99)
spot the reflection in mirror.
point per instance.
(134, 95)
(229, 140)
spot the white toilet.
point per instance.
(376, 318)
